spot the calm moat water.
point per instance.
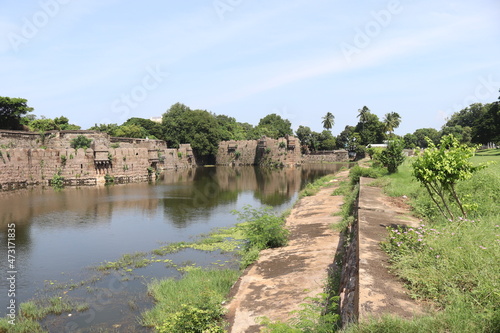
(60, 235)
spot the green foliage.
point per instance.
(197, 127)
(64, 158)
(453, 265)
(479, 123)
(11, 111)
(328, 121)
(191, 304)
(369, 128)
(273, 126)
(357, 172)
(310, 318)
(43, 125)
(105, 128)
(392, 157)
(422, 135)
(130, 131)
(264, 229)
(237, 154)
(391, 121)
(282, 145)
(109, 179)
(81, 141)
(57, 181)
(149, 128)
(314, 187)
(439, 170)
(315, 141)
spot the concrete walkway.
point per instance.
(380, 292)
(282, 278)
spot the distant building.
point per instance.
(377, 145)
(156, 119)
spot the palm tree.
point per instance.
(392, 121)
(328, 121)
(363, 114)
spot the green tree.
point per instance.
(197, 127)
(326, 141)
(371, 129)
(131, 131)
(439, 170)
(151, 129)
(392, 157)
(462, 134)
(44, 125)
(11, 112)
(110, 129)
(304, 134)
(362, 114)
(80, 141)
(64, 125)
(392, 120)
(410, 141)
(346, 137)
(328, 121)
(274, 126)
(422, 133)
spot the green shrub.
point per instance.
(357, 172)
(80, 141)
(190, 304)
(109, 179)
(57, 181)
(263, 229)
(392, 157)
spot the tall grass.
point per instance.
(190, 304)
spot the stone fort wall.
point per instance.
(267, 151)
(33, 158)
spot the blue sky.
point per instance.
(104, 61)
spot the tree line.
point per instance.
(477, 123)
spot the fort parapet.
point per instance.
(276, 152)
(28, 158)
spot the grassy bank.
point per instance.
(451, 266)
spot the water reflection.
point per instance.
(65, 231)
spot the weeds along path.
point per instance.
(283, 277)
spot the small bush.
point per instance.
(357, 172)
(57, 181)
(392, 157)
(81, 141)
(263, 229)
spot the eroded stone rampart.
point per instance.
(34, 158)
(274, 152)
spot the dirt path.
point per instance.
(282, 278)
